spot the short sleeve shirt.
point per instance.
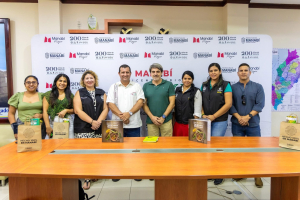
(125, 98)
(26, 110)
(158, 98)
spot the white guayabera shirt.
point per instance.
(125, 98)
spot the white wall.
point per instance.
(24, 25)
(180, 20)
(283, 27)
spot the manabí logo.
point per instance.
(154, 55)
(220, 55)
(48, 85)
(147, 55)
(47, 40)
(196, 40)
(227, 55)
(57, 40)
(72, 55)
(122, 40)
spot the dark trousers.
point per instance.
(132, 132)
(238, 130)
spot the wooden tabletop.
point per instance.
(152, 165)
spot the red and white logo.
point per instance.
(196, 40)
(47, 40)
(220, 55)
(48, 85)
(122, 40)
(72, 55)
(147, 55)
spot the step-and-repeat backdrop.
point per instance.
(73, 54)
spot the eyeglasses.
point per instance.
(33, 82)
(244, 100)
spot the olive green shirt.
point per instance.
(26, 109)
(158, 98)
(59, 105)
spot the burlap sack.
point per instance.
(289, 135)
(60, 130)
(29, 138)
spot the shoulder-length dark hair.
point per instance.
(54, 92)
(220, 82)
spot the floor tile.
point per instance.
(93, 191)
(115, 193)
(250, 181)
(228, 182)
(5, 198)
(268, 179)
(260, 193)
(121, 183)
(213, 196)
(3, 192)
(98, 184)
(242, 196)
(142, 193)
(143, 183)
(210, 184)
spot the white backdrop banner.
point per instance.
(73, 54)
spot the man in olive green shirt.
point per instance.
(159, 102)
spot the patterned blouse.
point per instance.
(91, 134)
(59, 105)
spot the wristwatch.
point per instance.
(130, 113)
(163, 116)
(250, 115)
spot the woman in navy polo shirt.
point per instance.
(216, 102)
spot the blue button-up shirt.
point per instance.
(255, 100)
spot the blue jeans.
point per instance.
(218, 128)
(238, 130)
(132, 132)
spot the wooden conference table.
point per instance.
(179, 174)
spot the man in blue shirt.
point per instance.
(248, 99)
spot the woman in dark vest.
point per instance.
(216, 102)
(188, 104)
(90, 109)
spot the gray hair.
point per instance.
(156, 65)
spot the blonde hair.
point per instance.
(91, 73)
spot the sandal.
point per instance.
(87, 183)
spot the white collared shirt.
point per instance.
(127, 98)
